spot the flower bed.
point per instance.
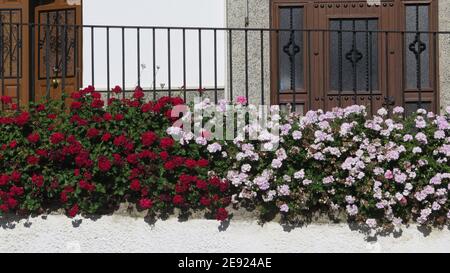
(382, 171)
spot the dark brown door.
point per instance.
(58, 45)
(352, 53)
(14, 50)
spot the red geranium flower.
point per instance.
(37, 180)
(104, 164)
(16, 176)
(202, 185)
(76, 105)
(181, 188)
(73, 211)
(92, 132)
(117, 89)
(148, 138)
(12, 203)
(205, 201)
(167, 143)
(178, 200)
(56, 138)
(118, 117)
(16, 191)
(138, 93)
(97, 103)
(190, 163)
(202, 163)
(6, 99)
(106, 137)
(169, 165)
(135, 185)
(23, 118)
(32, 160)
(222, 214)
(4, 179)
(145, 203)
(164, 155)
(34, 137)
(13, 144)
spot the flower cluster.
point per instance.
(380, 170)
(99, 154)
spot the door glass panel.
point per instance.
(54, 40)
(353, 55)
(290, 52)
(417, 47)
(10, 43)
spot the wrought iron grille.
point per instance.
(11, 43)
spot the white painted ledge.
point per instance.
(118, 233)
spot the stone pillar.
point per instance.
(259, 17)
(444, 52)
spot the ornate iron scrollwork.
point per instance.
(354, 55)
(10, 43)
(57, 44)
(417, 46)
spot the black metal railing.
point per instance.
(304, 68)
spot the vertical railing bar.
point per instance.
(403, 68)
(340, 52)
(169, 68)
(246, 64)
(370, 71)
(154, 61)
(309, 72)
(200, 72)
(293, 76)
(76, 55)
(418, 58)
(92, 57)
(139, 55)
(47, 55)
(123, 63)
(324, 91)
(184, 66)
(368, 56)
(64, 48)
(108, 64)
(355, 71)
(435, 70)
(64, 63)
(386, 42)
(215, 67)
(56, 26)
(262, 67)
(230, 52)
(278, 90)
(33, 61)
(18, 62)
(2, 72)
(292, 59)
(10, 43)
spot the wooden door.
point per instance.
(351, 52)
(14, 50)
(58, 45)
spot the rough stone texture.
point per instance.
(259, 11)
(444, 52)
(119, 233)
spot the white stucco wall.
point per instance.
(126, 234)
(176, 13)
